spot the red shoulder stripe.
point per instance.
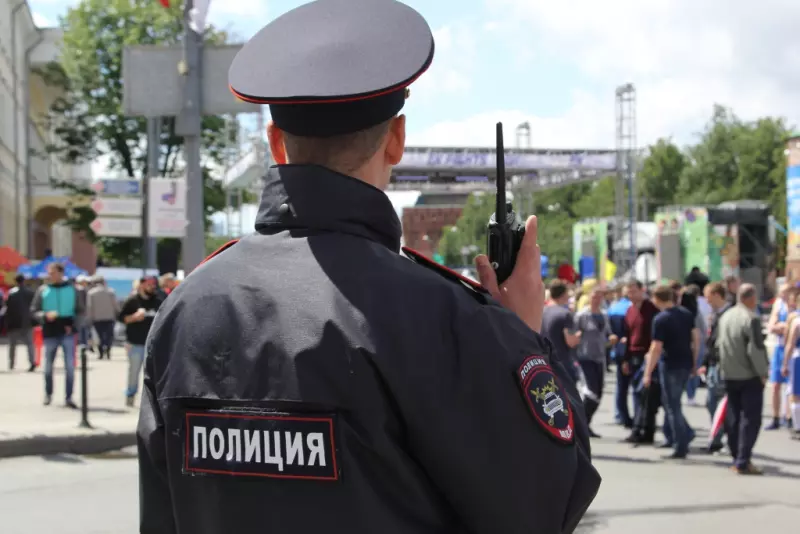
(220, 250)
(419, 258)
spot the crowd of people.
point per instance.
(667, 341)
(82, 312)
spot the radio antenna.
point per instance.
(500, 204)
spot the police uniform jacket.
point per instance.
(309, 378)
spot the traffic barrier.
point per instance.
(38, 346)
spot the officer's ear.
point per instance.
(276, 143)
(396, 140)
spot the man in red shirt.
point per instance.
(638, 333)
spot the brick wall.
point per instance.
(423, 225)
(84, 255)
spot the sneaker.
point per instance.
(69, 404)
(48, 399)
(129, 402)
(714, 448)
(32, 368)
(749, 470)
(675, 456)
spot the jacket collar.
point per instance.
(310, 196)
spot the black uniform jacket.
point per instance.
(311, 379)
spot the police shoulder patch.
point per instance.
(547, 401)
(450, 274)
(260, 444)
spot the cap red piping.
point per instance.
(339, 100)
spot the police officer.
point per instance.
(311, 378)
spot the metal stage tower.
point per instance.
(626, 169)
(523, 192)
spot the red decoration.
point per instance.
(567, 273)
(164, 3)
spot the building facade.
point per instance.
(423, 226)
(29, 206)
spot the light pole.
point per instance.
(626, 148)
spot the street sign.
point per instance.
(125, 207)
(116, 227)
(166, 207)
(118, 187)
(141, 64)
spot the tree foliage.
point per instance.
(88, 121)
(731, 160)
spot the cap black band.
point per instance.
(330, 119)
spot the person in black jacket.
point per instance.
(716, 294)
(137, 313)
(19, 322)
(309, 378)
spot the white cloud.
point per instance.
(454, 70)
(43, 22)
(251, 9)
(589, 123)
(682, 56)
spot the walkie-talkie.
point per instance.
(505, 229)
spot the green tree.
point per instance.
(738, 160)
(660, 174)
(88, 119)
(712, 175)
(469, 231)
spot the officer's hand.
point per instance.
(523, 292)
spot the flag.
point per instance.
(164, 3)
(611, 270)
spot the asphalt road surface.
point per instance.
(640, 493)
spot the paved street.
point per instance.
(21, 395)
(640, 493)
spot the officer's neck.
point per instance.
(371, 173)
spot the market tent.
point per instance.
(10, 259)
(40, 269)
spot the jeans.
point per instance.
(694, 381)
(24, 336)
(673, 384)
(84, 330)
(135, 361)
(51, 345)
(624, 386)
(105, 335)
(743, 418)
(594, 374)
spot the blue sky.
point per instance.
(556, 64)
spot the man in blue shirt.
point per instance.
(673, 350)
(616, 318)
(55, 305)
